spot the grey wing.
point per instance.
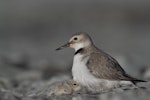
(105, 67)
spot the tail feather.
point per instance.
(135, 81)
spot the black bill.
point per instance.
(64, 46)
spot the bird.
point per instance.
(94, 68)
(64, 88)
(58, 88)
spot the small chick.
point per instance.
(64, 88)
(75, 86)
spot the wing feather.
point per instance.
(105, 67)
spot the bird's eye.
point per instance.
(75, 38)
(74, 84)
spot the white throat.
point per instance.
(78, 46)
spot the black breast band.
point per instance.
(79, 51)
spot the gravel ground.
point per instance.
(31, 85)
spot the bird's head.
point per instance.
(77, 41)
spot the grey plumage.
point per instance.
(103, 66)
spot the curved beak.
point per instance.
(64, 46)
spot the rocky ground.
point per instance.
(30, 84)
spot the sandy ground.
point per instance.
(27, 84)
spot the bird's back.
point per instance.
(103, 66)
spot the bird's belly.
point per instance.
(81, 73)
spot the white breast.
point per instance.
(81, 73)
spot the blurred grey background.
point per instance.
(31, 30)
